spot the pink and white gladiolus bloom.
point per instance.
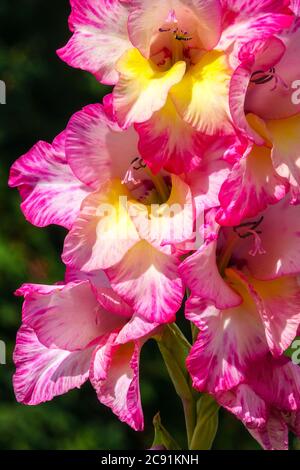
(120, 220)
(171, 63)
(245, 300)
(181, 190)
(80, 331)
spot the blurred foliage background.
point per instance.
(42, 94)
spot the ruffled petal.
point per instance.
(148, 280)
(255, 55)
(246, 405)
(166, 225)
(275, 435)
(228, 340)
(277, 382)
(201, 98)
(286, 150)
(201, 18)
(247, 21)
(43, 373)
(115, 377)
(100, 37)
(103, 232)
(96, 147)
(278, 303)
(50, 192)
(201, 274)
(67, 317)
(251, 187)
(279, 237)
(159, 144)
(142, 88)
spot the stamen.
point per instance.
(136, 164)
(260, 77)
(257, 248)
(252, 226)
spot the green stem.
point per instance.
(207, 423)
(190, 416)
(200, 411)
(174, 348)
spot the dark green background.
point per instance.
(42, 94)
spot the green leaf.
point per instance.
(207, 423)
(162, 438)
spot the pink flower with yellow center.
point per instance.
(262, 106)
(121, 218)
(245, 300)
(171, 63)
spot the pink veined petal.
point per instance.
(143, 87)
(97, 278)
(201, 274)
(103, 232)
(99, 37)
(250, 188)
(148, 280)
(115, 376)
(166, 225)
(286, 150)
(249, 7)
(106, 296)
(255, 55)
(97, 149)
(277, 382)
(136, 328)
(275, 435)
(201, 18)
(206, 180)
(274, 98)
(279, 237)
(278, 303)
(243, 27)
(69, 317)
(295, 7)
(227, 341)
(29, 289)
(246, 405)
(43, 373)
(160, 146)
(50, 192)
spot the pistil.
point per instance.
(160, 185)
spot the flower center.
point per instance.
(143, 185)
(238, 233)
(173, 43)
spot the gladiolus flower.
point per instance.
(171, 64)
(80, 331)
